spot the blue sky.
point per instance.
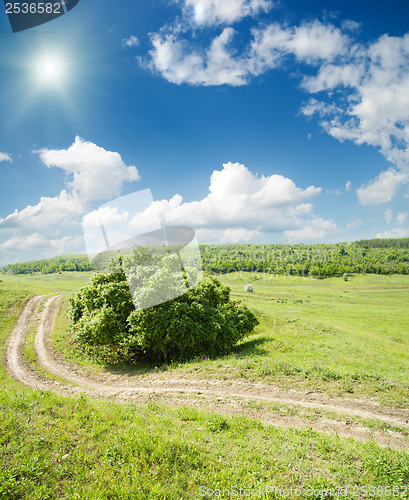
(250, 120)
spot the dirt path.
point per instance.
(223, 396)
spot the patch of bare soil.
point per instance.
(236, 397)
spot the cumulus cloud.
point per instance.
(238, 198)
(313, 230)
(38, 246)
(54, 224)
(179, 60)
(97, 173)
(132, 41)
(348, 186)
(59, 210)
(178, 63)
(240, 207)
(383, 188)
(33, 241)
(310, 42)
(373, 85)
(37, 241)
(243, 207)
(5, 157)
(211, 12)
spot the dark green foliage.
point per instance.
(319, 260)
(99, 311)
(384, 243)
(202, 321)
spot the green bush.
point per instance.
(202, 321)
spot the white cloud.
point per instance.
(240, 199)
(382, 189)
(210, 12)
(132, 41)
(5, 157)
(240, 206)
(37, 246)
(350, 25)
(178, 63)
(54, 224)
(179, 60)
(388, 215)
(97, 174)
(373, 83)
(314, 107)
(402, 217)
(37, 241)
(244, 207)
(313, 230)
(309, 42)
(399, 232)
(333, 75)
(30, 242)
(59, 210)
(348, 186)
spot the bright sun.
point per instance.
(50, 71)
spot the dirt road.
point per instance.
(231, 396)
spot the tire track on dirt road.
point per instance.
(185, 391)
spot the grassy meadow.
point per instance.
(342, 338)
(332, 336)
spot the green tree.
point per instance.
(202, 321)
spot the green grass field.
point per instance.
(348, 338)
(332, 335)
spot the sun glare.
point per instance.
(49, 71)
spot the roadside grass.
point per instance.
(77, 448)
(30, 355)
(67, 348)
(66, 448)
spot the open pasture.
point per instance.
(340, 337)
(59, 447)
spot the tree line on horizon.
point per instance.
(48, 266)
(378, 256)
(373, 256)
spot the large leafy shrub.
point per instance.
(202, 321)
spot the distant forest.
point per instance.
(380, 256)
(48, 266)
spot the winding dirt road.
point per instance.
(231, 396)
